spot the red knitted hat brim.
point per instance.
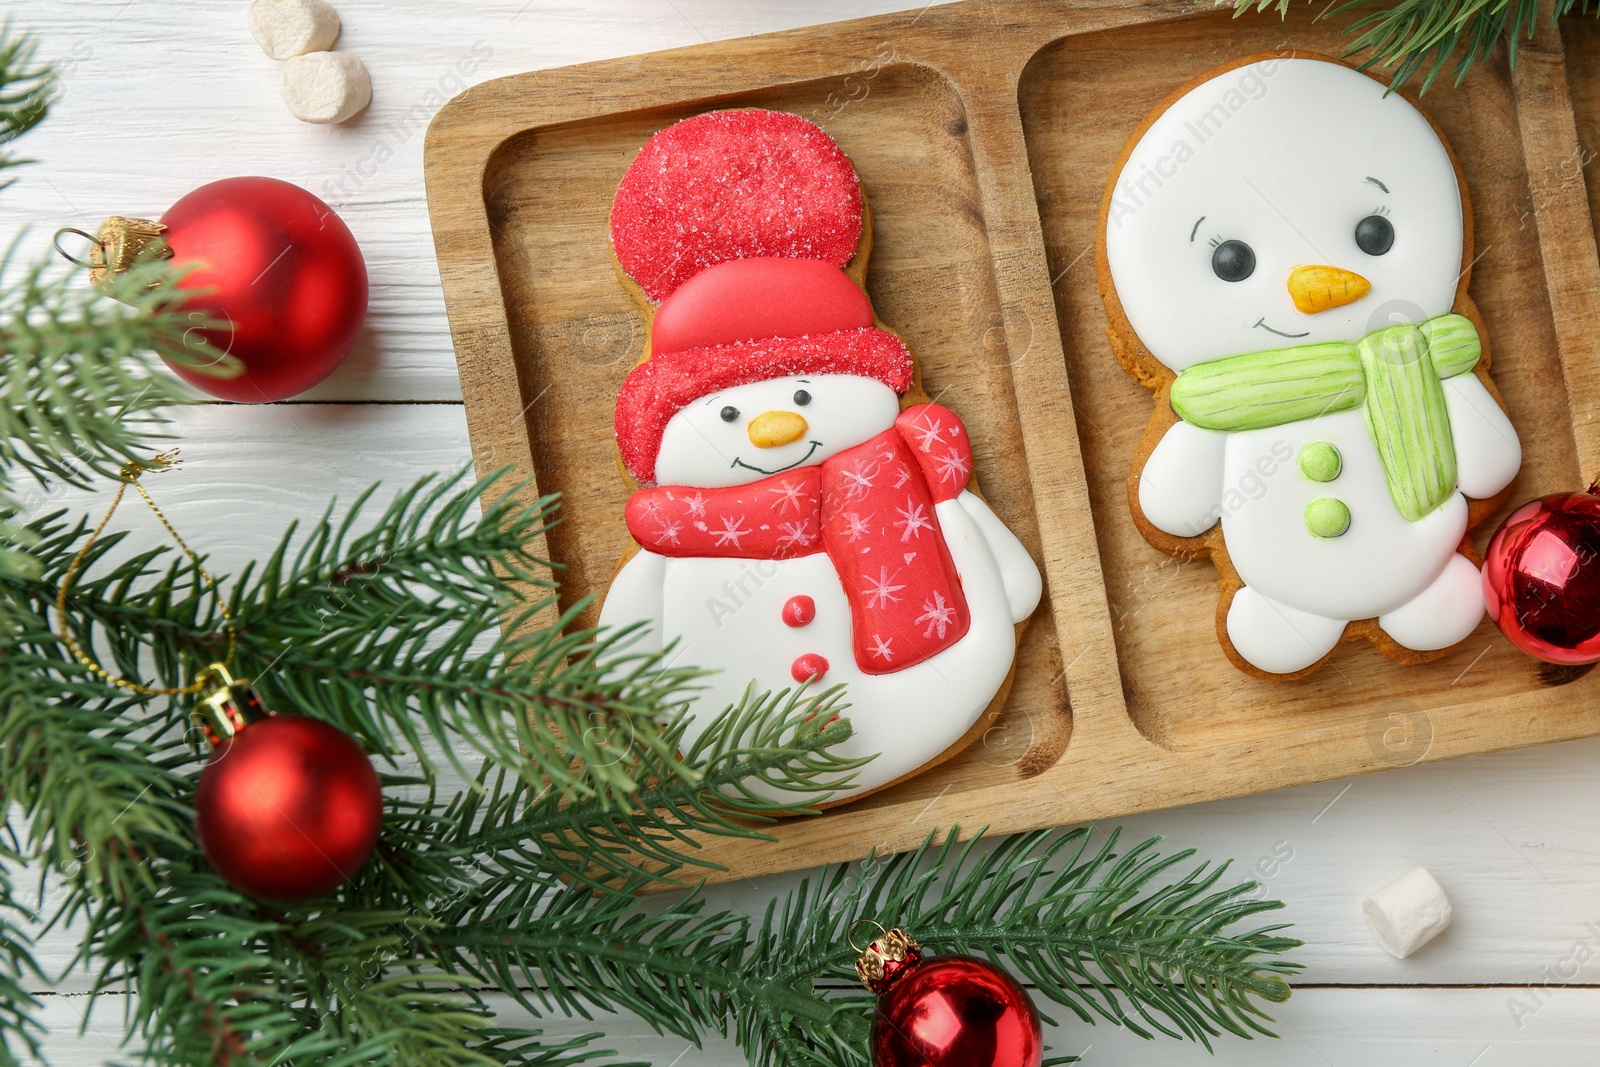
(659, 388)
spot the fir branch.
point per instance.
(19, 1030)
(81, 777)
(26, 87)
(220, 980)
(81, 395)
(393, 633)
(361, 989)
(784, 741)
(456, 889)
(1411, 37)
(1092, 929)
(417, 601)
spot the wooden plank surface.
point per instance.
(173, 95)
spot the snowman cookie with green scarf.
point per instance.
(1284, 261)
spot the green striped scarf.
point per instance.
(1392, 374)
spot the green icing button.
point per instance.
(1320, 462)
(1327, 517)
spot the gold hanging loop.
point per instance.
(130, 476)
(850, 934)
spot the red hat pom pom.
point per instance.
(734, 185)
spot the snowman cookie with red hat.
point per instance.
(802, 519)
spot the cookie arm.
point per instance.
(637, 595)
(1488, 452)
(1180, 487)
(1018, 572)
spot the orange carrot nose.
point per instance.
(1319, 288)
(773, 429)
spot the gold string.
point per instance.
(130, 476)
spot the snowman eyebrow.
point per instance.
(1196, 229)
(1379, 184)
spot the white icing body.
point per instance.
(725, 614)
(1289, 156)
(1372, 568)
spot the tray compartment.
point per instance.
(575, 333)
(1181, 691)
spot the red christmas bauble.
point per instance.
(953, 1011)
(1541, 578)
(288, 808)
(271, 260)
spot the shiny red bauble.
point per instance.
(279, 266)
(955, 1011)
(288, 808)
(1541, 578)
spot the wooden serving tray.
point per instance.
(984, 134)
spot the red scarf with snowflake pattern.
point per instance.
(869, 507)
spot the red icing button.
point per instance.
(809, 667)
(798, 611)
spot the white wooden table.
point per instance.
(160, 97)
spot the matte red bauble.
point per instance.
(953, 1011)
(287, 808)
(1541, 578)
(272, 260)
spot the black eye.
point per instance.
(1233, 261)
(730, 413)
(1374, 235)
(801, 398)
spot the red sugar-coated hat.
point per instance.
(738, 224)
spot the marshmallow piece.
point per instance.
(285, 28)
(325, 87)
(1407, 913)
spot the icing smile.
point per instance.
(1262, 324)
(737, 462)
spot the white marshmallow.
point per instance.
(285, 28)
(1407, 913)
(325, 87)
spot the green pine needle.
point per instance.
(80, 392)
(26, 87)
(20, 1033)
(779, 740)
(1412, 37)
